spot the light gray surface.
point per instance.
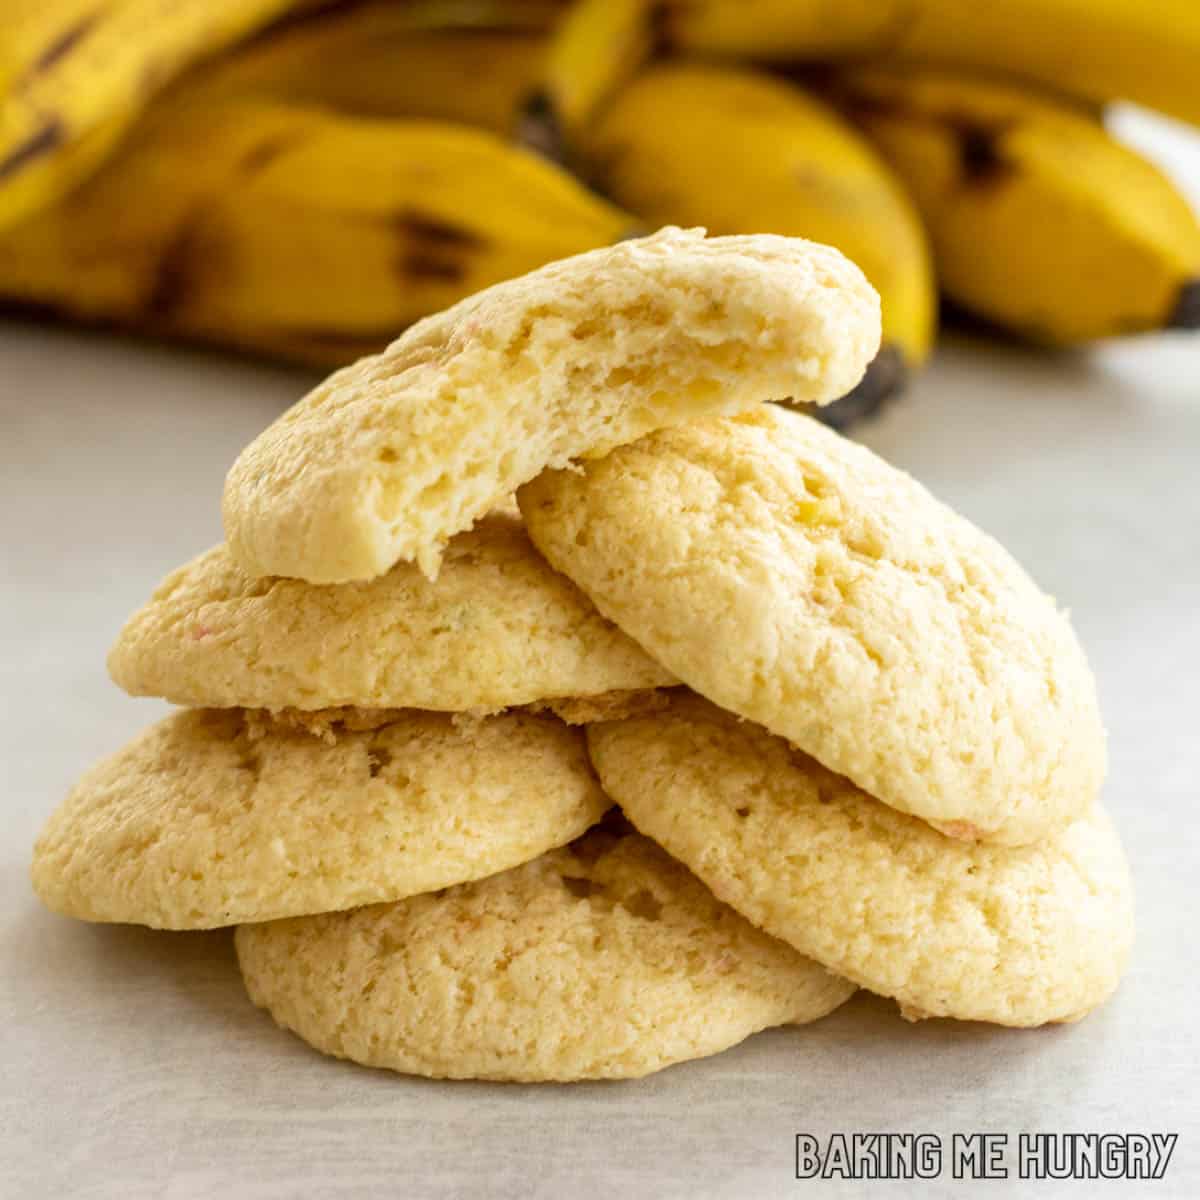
(132, 1065)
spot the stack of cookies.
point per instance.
(852, 744)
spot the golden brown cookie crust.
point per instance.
(602, 960)
(217, 817)
(499, 629)
(797, 579)
(1016, 935)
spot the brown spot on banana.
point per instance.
(62, 45)
(270, 149)
(982, 160)
(45, 141)
(432, 249)
(980, 151)
(1186, 313)
(436, 232)
(661, 16)
(539, 128)
(172, 275)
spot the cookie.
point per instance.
(1015, 935)
(499, 629)
(390, 457)
(602, 960)
(216, 817)
(800, 581)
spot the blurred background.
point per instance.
(299, 181)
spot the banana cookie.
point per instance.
(217, 817)
(499, 629)
(800, 581)
(390, 457)
(1014, 935)
(601, 960)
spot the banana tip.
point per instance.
(540, 129)
(885, 378)
(1186, 313)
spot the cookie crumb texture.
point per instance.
(601, 960)
(331, 724)
(1014, 935)
(218, 817)
(499, 629)
(798, 580)
(393, 455)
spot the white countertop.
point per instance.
(131, 1063)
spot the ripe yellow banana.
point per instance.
(741, 152)
(297, 231)
(75, 75)
(1098, 49)
(474, 63)
(598, 46)
(1040, 220)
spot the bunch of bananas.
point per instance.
(332, 176)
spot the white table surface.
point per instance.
(131, 1063)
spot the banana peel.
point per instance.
(75, 77)
(741, 152)
(1041, 221)
(296, 231)
(1099, 50)
(473, 63)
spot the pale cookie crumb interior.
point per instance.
(392, 456)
